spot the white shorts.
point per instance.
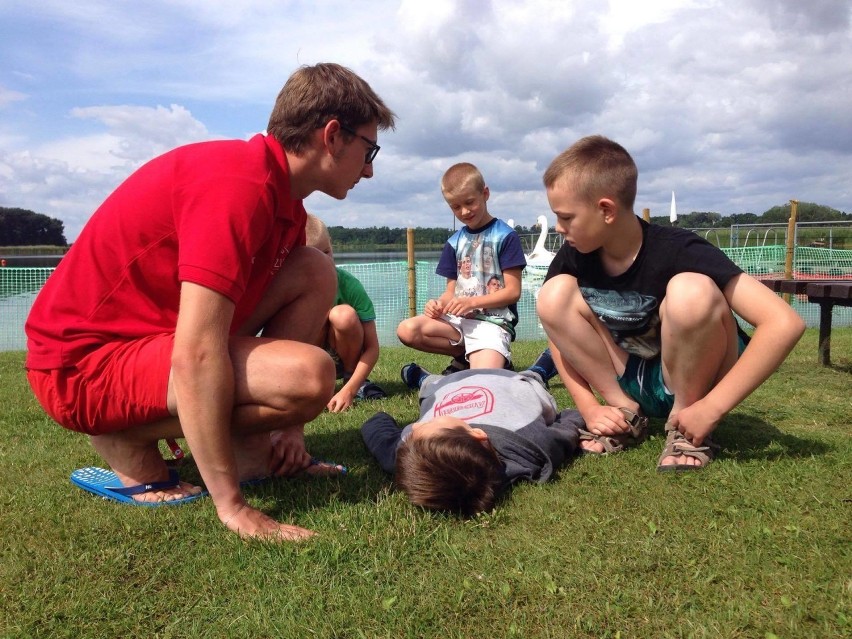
(480, 334)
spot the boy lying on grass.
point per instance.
(479, 432)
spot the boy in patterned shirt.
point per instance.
(469, 322)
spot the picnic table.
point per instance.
(826, 293)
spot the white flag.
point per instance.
(673, 213)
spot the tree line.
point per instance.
(805, 212)
(21, 227)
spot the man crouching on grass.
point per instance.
(148, 327)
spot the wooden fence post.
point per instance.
(791, 245)
(646, 215)
(412, 273)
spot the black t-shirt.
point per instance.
(629, 304)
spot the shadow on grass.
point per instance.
(842, 368)
(298, 495)
(745, 437)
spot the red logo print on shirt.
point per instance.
(467, 402)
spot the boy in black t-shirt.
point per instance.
(642, 314)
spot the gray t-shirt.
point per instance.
(486, 397)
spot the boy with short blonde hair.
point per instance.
(472, 325)
(644, 314)
(349, 332)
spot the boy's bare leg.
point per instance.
(699, 338)
(346, 335)
(430, 336)
(586, 357)
(486, 358)
(581, 339)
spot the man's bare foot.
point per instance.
(137, 463)
(250, 523)
(279, 453)
(253, 454)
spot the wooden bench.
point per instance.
(826, 293)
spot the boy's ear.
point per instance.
(608, 208)
(485, 193)
(478, 433)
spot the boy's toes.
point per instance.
(591, 446)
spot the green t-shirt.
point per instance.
(351, 291)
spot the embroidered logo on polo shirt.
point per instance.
(279, 261)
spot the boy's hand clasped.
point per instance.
(461, 307)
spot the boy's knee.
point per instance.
(692, 298)
(407, 331)
(557, 296)
(344, 317)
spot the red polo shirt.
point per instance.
(218, 214)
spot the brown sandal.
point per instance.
(616, 443)
(678, 444)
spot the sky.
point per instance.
(735, 105)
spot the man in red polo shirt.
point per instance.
(148, 329)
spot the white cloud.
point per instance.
(736, 105)
(69, 177)
(7, 96)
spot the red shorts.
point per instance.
(120, 385)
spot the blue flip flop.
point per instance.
(106, 484)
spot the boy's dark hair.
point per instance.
(451, 472)
(596, 167)
(314, 95)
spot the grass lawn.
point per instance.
(757, 545)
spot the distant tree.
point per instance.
(699, 220)
(743, 218)
(806, 212)
(661, 220)
(384, 236)
(20, 227)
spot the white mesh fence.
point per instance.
(387, 285)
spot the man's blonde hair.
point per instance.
(460, 177)
(596, 167)
(315, 230)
